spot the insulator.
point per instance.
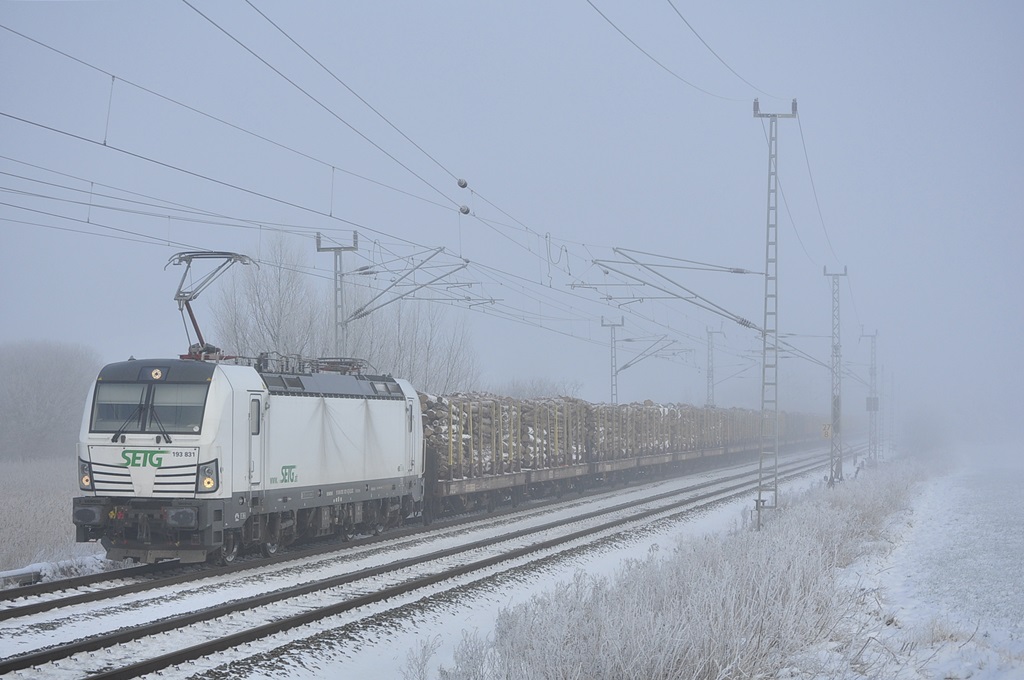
(463, 183)
(464, 210)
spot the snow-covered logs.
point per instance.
(474, 435)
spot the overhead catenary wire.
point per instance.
(255, 225)
(526, 229)
(814, 190)
(326, 108)
(704, 42)
(145, 240)
(353, 92)
(248, 223)
(393, 126)
(239, 128)
(512, 316)
(327, 164)
(389, 122)
(655, 60)
(197, 175)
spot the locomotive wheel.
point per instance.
(269, 549)
(229, 551)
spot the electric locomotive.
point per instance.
(188, 459)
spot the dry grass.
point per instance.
(736, 606)
(35, 513)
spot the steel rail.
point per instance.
(178, 621)
(203, 571)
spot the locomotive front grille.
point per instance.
(122, 471)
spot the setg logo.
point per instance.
(288, 474)
(142, 458)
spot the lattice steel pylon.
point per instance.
(710, 400)
(836, 458)
(768, 461)
(615, 368)
(872, 403)
(340, 320)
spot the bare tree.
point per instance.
(421, 342)
(43, 389)
(271, 308)
(277, 308)
(532, 388)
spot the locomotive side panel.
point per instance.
(330, 440)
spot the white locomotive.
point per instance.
(193, 459)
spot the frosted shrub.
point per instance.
(734, 606)
(35, 516)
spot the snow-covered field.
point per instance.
(938, 593)
(952, 585)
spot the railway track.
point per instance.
(39, 597)
(310, 589)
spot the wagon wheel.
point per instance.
(345, 532)
(229, 551)
(270, 548)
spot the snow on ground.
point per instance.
(948, 600)
(384, 651)
(943, 598)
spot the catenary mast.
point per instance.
(768, 461)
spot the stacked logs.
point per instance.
(470, 435)
(473, 435)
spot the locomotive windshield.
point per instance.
(140, 408)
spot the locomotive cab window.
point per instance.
(254, 416)
(177, 408)
(274, 382)
(159, 408)
(117, 405)
(380, 387)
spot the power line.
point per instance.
(548, 260)
(254, 225)
(492, 224)
(142, 157)
(353, 92)
(146, 240)
(122, 209)
(694, 31)
(815, 191)
(462, 183)
(194, 174)
(222, 121)
(652, 58)
(251, 223)
(321, 104)
(152, 239)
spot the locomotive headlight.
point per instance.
(206, 480)
(84, 475)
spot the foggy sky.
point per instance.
(572, 142)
